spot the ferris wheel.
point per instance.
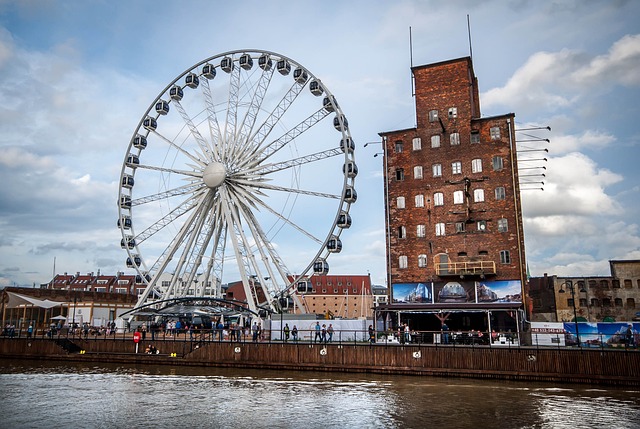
(241, 170)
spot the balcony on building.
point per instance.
(469, 268)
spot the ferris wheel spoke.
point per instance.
(269, 150)
(247, 197)
(267, 252)
(165, 258)
(241, 250)
(294, 190)
(263, 169)
(204, 147)
(167, 219)
(179, 148)
(195, 248)
(245, 145)
(215, 265)
(232, 112)
(175, 192)
(195, 174)
(212, 120)
(274, 117)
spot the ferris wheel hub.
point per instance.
(214, 174)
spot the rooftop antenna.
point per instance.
(413, 91)
(469, 31)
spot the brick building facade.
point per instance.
(454, 223)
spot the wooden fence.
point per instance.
(574, 365)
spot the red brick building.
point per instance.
(455, 237)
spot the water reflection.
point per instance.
(35, 395)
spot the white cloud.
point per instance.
(574, 185)
(590, 139)
(557, 80)
(619, 66)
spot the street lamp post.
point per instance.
(569, 284)
(383, 144)
(283, 302)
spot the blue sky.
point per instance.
(76, 77)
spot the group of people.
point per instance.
(323, 333)
(9, 330)
(293, 332)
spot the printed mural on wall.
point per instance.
(457, 292)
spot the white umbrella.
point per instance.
(59, 318)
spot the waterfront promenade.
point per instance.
(527, 363)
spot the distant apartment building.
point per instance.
(344, 296)
(614, 298)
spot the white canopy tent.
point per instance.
(17, 300)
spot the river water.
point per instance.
(63, 395)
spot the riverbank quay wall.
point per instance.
(569, 365)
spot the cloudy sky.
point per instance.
(77, 76)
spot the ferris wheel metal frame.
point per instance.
(204, 180)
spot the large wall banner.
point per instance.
(457, 292)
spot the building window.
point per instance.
(458, 197)
(476, 165)
(456, 167)
(419, 200)
(478, 195)
(421, 231)
(570, 302)
(438, 199)
(422, 261)
(604, 284)
(440, 229)
(460, 227)
(618, 302)
(475, 137)
(503, 225)
(627, 283)
(606, 302)
(400, 202)
(481, 225)
(454, 139)
(500, 193)
(497, 163)
(417, 143)
(453, 112)
(505, 257)
(433, 115)
(631, 303)
(495, 133)
(399, 174)
(402, 262)
(402, 232)
(437, 170)
(595, 302)
(399, 146)
(615, 283)
(417, 172)
(435, 141)
(583, 302)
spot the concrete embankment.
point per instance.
(573, 365)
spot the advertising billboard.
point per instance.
(458, 291)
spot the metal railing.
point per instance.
(452, 338)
